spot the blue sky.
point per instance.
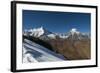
(58, 22)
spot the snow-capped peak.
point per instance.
(42, 33)
(74, 31)
(76, 35)
(37, 32)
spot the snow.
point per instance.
(76, 35)
(74, 31)
(37, 32)
(43, 34)
(33, 52)
(63, 36)
(53, 36)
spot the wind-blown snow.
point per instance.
(33, 52)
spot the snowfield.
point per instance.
(33, 52)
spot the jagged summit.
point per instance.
(37, 32)
(76, 35)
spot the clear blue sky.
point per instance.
(58, 22)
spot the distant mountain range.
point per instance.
(72, 45)
(43, 33)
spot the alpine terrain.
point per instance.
(41, 45)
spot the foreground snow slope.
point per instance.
(33, 52)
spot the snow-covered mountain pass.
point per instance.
(33, 52)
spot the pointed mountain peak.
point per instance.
(74, 31)
(37, 32)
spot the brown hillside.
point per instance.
(76, 50)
